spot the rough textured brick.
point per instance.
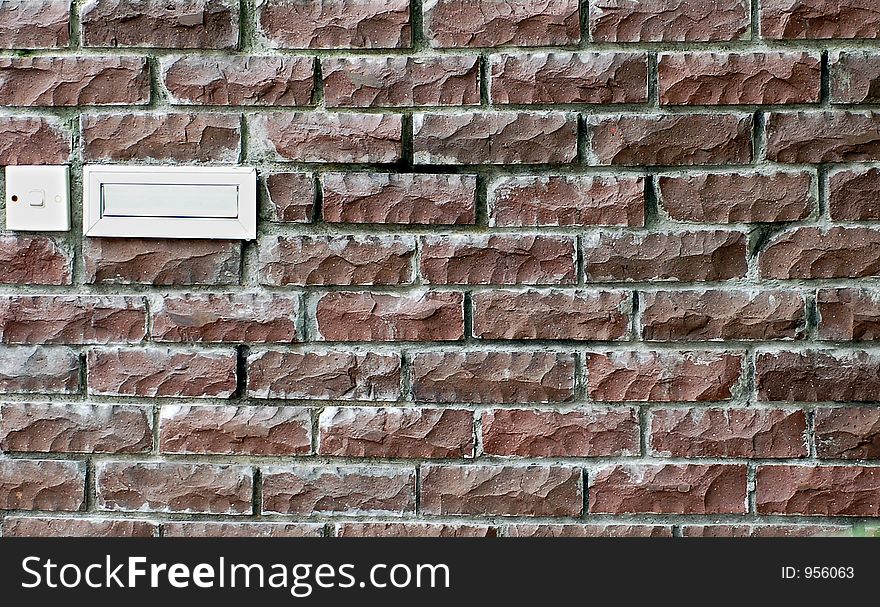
(495, 138)
(161, 137)
(821, 253)
(574, 530)
(38, 370)
(401, 81)
(852, 194)
(518, 201)
(336, 260)
(848, 433)
(557, 77)
(816, 137)
(583, 432)
(31, 484)
(75, 428)
(823, 490)
(412, 530)
(341, 375)
(722, 315)
(233, 317)
(497, 259)
(551, 314)
(251, 80)
(668, 20)
(751, 433)
(739, 78)
(669, 489)
(69, 319)
(855, 77)
(345, 490)
(798, 19)
(160, 372)
(235, 430)
(336, 24)
(848, 314)
(493, 377)
(762, 530)
(680, 256)
(161, 262)
(662, 376)
(324, 137)
(817, 375)
(261, 530)
(420, 316)
(34, 260)
(26, 24)
(738, 197)
(180, 24)
(289, 197)
(533, 490)
(174, 487)
(15, 526)
(396, 432)
(679, 139)
(33, 140)
(66, 81)
(486, 23)
(399, 199)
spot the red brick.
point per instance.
(583, 432)
(668, 21)
(818, 19)
(855, 77)
(19, 526)
(819, 137)
(27, 24)
(68, 81)
(551, 314)
(738, 197)
(818, 375)
(290, 197)
(261, 530)
(681, 256)
(762, 530)
(343, 490)
(575, 530)
(31, 484)
(224, 318)
(492, 377)
(231, 430)
(848, 433)
(412, 530)
(669, 139)
(495, 138)
(39, 370)
(805, 253)
(325, 137)
(33, 140)
(325, 374)
(722, 315)
(662, 376)
(669, 489)
(34, 260)
(401, 81)
(533, 490)
(176, 137)
(75, 428)
(748, 433)
(336, 260)
(336, 24)
(69, 319)
(560, 77)
(209, 24)
(497, 259)
(250, 80)
(849, 314)
(395, 432)
(818, 491)
(161, 262)
(174, 487)
(400, 199)
(567, 201)
(488, 23)
(420, 316)
(739, 78)
(852, 194)
(161, 372)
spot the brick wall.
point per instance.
(534, 267)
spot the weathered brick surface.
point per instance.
(15, 526)
(290, 197)
(763, 531)
(412, 530)
(814, 252)
(33, 140)
(816, 137)
(31, 484)
(855, 77)
(852, 194)
(668, 20)
(27, 24)
(822, 490)
(65, 319)
(849, 314)
(34, 260)
(39, 370)
(818, 375)
(575, 530)
(198, 529)
(848, 433)
(798, 19)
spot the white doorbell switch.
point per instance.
(38, 198)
